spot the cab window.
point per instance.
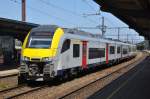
(65, 46)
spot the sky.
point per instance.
(70, 14)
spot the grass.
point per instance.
(3, 86)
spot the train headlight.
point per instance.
(46, 59)
(26, 58)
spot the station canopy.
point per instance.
(17, 29)
(135, 13)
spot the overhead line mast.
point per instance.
(24, 10)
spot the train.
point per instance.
(50, 51)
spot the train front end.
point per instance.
(39, 52)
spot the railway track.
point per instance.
(18, 90)
(8, 74)
(67, 90)
(8, 81)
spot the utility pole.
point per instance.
(132, 40)
(103, 27)
(23, 10)
(118, 33)
(127, 37)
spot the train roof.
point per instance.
(45, 28)
(75, 33)
(81, 33)
(89, 36)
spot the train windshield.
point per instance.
(39, 43)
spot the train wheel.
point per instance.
(108, 65)
(73, 73)
(62, 78)
(21, 79)
(66, 76)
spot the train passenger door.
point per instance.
(121, 51)
(84, 54)
(107, 53)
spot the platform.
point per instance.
(8, 66)
(135, 84)
(9, 72)
(148, 51)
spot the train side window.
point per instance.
(118, 49)
(65, 46)
(96, 53)
(102, 52)
(112, 50)
(125, 51)
(76, 50)
(130, 49)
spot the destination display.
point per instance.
(42, 34)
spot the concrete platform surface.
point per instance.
(135, 84)
(8, 72)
